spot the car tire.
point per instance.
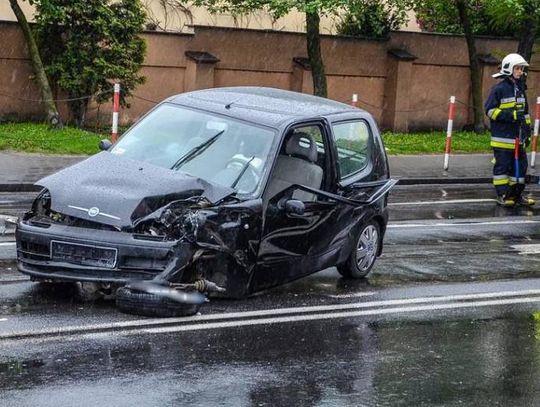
(364, 252)
(151, 305)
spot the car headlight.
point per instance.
(42, 203)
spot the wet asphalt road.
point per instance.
(406, 336)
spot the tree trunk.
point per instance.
(527, 34)
(476, 79)
(314, 54)
(78, 109)
(53, 117)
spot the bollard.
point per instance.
(116, 110)
(354, 100)
(535, 133)
(448, 145)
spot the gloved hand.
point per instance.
(520, 116)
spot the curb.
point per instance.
(4, 222)
(428, 181)
(531, 179)
(27, 187)
(20, 187)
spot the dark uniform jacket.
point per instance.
(508, 112)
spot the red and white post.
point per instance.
(116, 111)
(535, 132)
(354, 100)
(448, 146)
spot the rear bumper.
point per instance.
(137, 258)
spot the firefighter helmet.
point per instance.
(508, 63)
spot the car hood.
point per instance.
(114, 187)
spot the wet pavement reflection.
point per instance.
(453, 202)
(483, 358)
(347, 363)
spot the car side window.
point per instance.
(353, 146)
(316, 134)
(301, 161)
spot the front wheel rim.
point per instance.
(366, 250)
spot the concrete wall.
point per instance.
(404, 82)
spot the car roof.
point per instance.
(268, 106)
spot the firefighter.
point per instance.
(508, 112)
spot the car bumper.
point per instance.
(135, 256)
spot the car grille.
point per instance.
(33, 251)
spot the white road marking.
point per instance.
(527, 248)
(352, 295)
(3, 319)
(7, 243)
(148, 323)
(449, 201)
(491, 223)
(335, 315)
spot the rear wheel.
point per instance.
(364, 253)
(151, 305)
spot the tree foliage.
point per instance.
(510, 14)
(89, 44)
(521, 17)
(442, 16)
(373, 18)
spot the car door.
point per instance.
(293, 244)
(355, 177)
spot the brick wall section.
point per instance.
(406, 80)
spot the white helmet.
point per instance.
(508, 63)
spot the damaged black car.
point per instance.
(220, 192)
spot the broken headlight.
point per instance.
(42, 203)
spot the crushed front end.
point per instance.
(175, 240)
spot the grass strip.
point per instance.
(433, 143)
(38, 138)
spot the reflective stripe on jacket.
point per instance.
(505, 101)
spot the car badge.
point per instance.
(92, 212)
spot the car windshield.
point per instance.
(211, 147)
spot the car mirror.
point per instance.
(104, 145)
(292, 206)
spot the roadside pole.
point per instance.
(116, 110)
(535, 133)
(448, 146)
(354, 101)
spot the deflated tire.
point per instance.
(152, 305)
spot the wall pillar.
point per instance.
(199, 70)
(397, 90)
(301, 79)
(488, 66)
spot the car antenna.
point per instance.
(228, 105)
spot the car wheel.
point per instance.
(364, 253)
(151, 305)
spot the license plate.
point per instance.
(84, 255)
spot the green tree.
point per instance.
(520, 18)
(53, 117)
(313, 10)
(443, 16)
(373, 18)
(468, 17)
(89, 44)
